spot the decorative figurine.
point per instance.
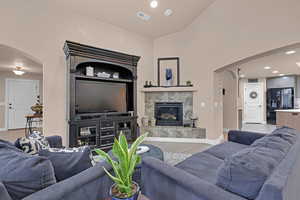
(189, 83)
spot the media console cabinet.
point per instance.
(92, 128)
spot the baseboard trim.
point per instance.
(185, 140)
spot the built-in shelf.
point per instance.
(103, 79)
(169, 89)
(86, 136)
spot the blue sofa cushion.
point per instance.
(286, 133)
(202, 165)
(223, 150)
(69, 161)
(273, 142)
(24, 174)
(245, 172)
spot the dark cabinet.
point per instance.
(98, 125)
(100, 132)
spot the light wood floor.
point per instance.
(12, 135)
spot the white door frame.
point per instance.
(2, 104)
(6, 96)
(262, 100)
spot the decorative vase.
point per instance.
(37, 108)
(135, 196)
(152, 122)
(145, 121)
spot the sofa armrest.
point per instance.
(162, 181)
(55, 141)
(91, 184)
(244, 137)
(3, 192)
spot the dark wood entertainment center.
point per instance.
(92, 128)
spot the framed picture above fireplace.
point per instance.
(168, 71)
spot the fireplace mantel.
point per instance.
(169, 89)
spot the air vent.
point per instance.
(143, 16)
(253, 80)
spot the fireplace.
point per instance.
(169, 114)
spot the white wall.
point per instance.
(226, 32)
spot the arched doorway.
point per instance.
(21, 87)
(255, 89)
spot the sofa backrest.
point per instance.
(283, 183)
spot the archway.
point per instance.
(21, 87)
(278, 68)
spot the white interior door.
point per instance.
(21, 95)
(253, 103)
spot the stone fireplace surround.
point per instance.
(173, 94)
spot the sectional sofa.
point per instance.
(21, 174)
(248, 166)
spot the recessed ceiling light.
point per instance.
(281, 74)
(168, 12)
(267, 67)
(242, 75)
(290, 52)
(275, 72)
(153, 4)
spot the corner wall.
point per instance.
(226, 32)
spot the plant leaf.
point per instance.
(123, 142)
(135, 145)
(115, 179)
(113, 163)
(122, 157)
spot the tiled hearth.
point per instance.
(153, 96)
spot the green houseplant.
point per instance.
(123, 167)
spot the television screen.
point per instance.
(100, 97)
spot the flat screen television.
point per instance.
(100, 97)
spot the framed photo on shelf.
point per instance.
(168, 71)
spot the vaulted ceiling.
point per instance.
(123, 13)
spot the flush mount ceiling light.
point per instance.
(242, 76)
(168, 12)
(154, 4)
(275, 72)
(267, 67)
(290, 52)
(281, 74)
(18, 71)
(298, 64)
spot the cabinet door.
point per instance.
(87, 133)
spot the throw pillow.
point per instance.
(69, 161)
(245, 172)
(33, 144)
(24, 174)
